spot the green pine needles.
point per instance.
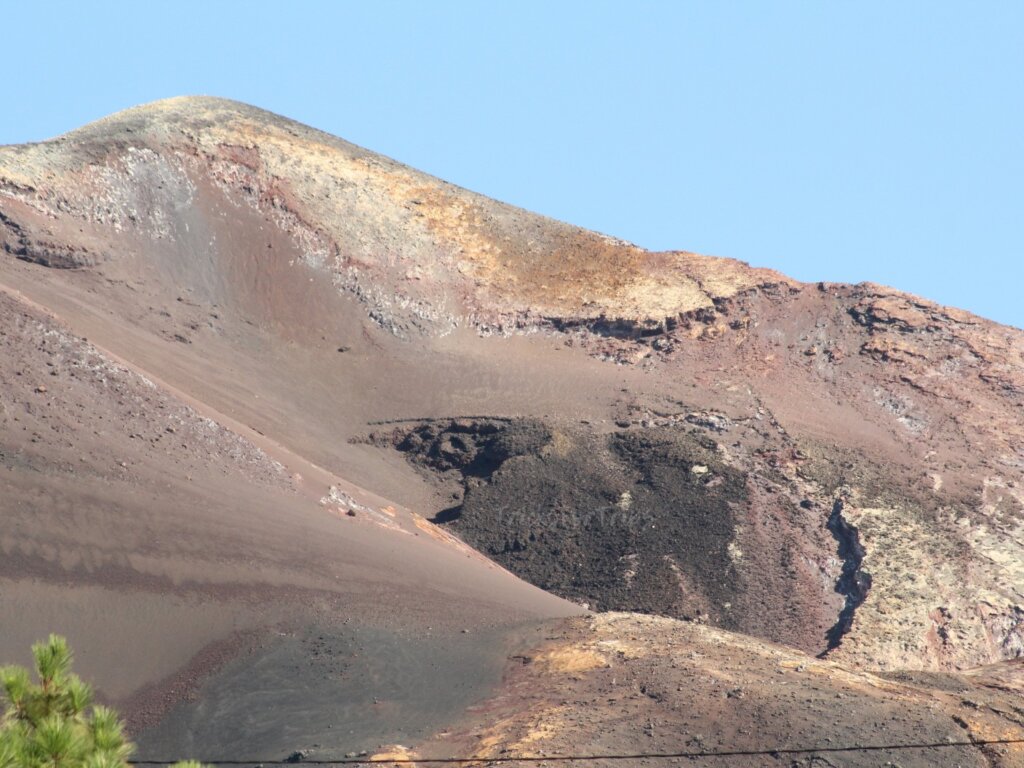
(51, 723)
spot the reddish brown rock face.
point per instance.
(271, 312)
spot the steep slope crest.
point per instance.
(422, 254)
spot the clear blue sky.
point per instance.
(830, 140)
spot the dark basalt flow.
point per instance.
(616, 327)
(632, 520)
(854, 583)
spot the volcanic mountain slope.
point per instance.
(166, 545)
(619, 683)
(298, 349)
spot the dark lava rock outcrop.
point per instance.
(631, 520)
(650, 519)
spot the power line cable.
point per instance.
(977, 743)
